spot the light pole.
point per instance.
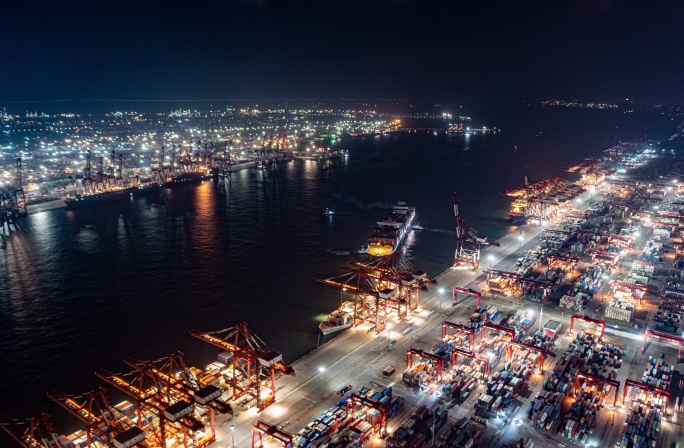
(389, 334)
(491, 261)
(232, 435)
(321, 369)
(441, 293)
(520, 238)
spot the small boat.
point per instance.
(328, 212)
(338, 320)
(339, 251)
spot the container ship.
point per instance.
(391, 231)
(86, 200)
(338, 320)
(538, 200)
(189, 178)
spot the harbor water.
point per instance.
(83, 289)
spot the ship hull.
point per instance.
(96, 199)
(147, 190)
(326, 330)
(187, 179)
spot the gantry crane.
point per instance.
(36, 432)
(153, 398)
(437, 360)
(646, 388)
(588, 377)
(174, 373)
(460, 327)
(484, 359)
(468, 242)
(253, 357)
(269, 430)
(467, 292)
(665, 337)
(104, 423)
(601, 323)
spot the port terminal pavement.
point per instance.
(358, 357)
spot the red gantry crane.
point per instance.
(104, 422)
(588, 377)
(173, 372)
(469, 354)
(468, 242)
(263, 428)
(152, 398)
(461, 327)
(541, 352)
(601, 323)
(253, 357)
(646, 388)
(437, 360)
(355, 398)
(36, 432)
(665, 337)
(468, 292)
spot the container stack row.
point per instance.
(623, 304)
(416, 430)
(419, 373)
(600, 360)
(670, 309)
(520, 322)
(582, 417)
(508, 381)
(642, 426)
(658, 373)
(336, 428)
(545, 408)
(465, 379)
(460, 435)
(578, 301)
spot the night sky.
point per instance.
(143, 50)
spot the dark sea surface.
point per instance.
(82, 290)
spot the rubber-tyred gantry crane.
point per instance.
(468, 292)
(103, 422)
(469, 354)
(501, 329)
(601, 323)
(646, 388)
(540, 351)
(460, 327)
(665, 337)
(383, 410)
(253, 357)
(263, 428)
(468, 242)
(36, 432)
(437, 360)
(588, 377)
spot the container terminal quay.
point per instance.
(564, 332)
